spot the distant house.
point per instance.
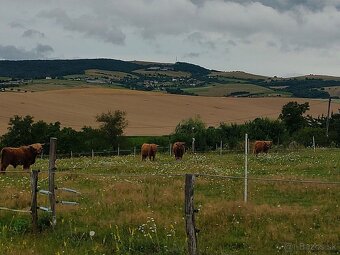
(48, 78)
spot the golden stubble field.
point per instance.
(148, 113)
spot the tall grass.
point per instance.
(144, 215)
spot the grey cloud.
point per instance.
(15, 24)
(10, 52)
(199, 38)
(43, 49)
(90, 26)
(210, 23)
(280, 5)
(231, 43)
(32, 33)
(271, 44)
(192, 55)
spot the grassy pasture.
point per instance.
(144, 214)
(110, 74)
(218, 90)
(175, 74)
(238, 75)
(333, 91)
(55, 84)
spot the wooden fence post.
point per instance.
(34, 204)
(170, 151)
(189, 214)
(92, 154)
(221, 147)
(51, 175)
(118, 150)
(134, 151)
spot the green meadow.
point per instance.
(132, 207)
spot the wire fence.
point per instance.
(168, 150)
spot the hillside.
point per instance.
(173, 78)
(148, 113)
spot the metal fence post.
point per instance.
(246, 168)
(34, 204)
(51, 175)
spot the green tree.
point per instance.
(232, 134)
(292, 116)
(266, 129)
(112, 125)
(188, 129)
(19, 131)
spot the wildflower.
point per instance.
(92, 233)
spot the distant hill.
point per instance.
(239, 75)
(34, 69)
(176, 78)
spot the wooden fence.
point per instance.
(189, 209)
(50, 192)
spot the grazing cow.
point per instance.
(145, 150)
(152, 151)
(24, 155)
(262, 146)
(149, 150)
(178, 149)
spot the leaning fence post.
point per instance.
(189, 214)
(51, 175)
(34, 205)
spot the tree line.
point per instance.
(291, 126)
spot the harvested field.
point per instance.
(148, 113)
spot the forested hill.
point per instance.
(35, 69)
(176, 78)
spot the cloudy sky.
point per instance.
(269, 37)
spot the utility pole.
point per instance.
(327, 122)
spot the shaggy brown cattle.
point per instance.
(24, 155)
(145, 150)
(148, 150)
(152, 151)
(262, 146)
(178, 149)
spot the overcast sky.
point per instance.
(269, 37)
